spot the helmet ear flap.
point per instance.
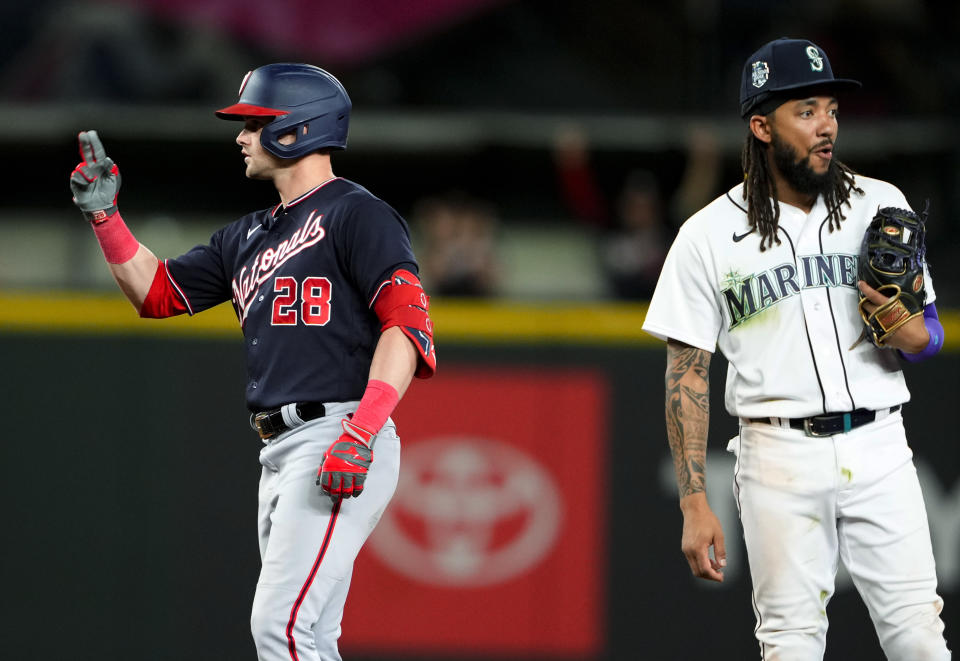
(272, 133)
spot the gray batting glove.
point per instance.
(95, 181)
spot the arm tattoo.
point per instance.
(688, 414)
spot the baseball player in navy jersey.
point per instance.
(767, 273)
(334, 318)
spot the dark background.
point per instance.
(125, 66)
(472, 103)
(130, 500)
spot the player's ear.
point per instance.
(287, 138)
(760, 127)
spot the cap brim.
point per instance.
(834, 84)
(783, 94)
(241, 110)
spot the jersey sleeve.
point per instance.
(372, 242)
(199, 276)
(684, 306)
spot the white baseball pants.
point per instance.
(805, 502)
(308, 543)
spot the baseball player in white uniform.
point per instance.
(768, 273)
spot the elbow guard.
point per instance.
(401, 301)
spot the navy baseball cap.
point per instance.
(785, 65)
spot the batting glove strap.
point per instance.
(346, 461)
(97, 217)
(356, 431)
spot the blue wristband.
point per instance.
(932, 321)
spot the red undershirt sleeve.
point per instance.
(163, 299)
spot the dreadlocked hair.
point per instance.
(759, 187)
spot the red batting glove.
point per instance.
(345, 463)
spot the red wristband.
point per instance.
(115, 239)
(378, 402)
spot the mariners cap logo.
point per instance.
(816, 59)
(761, 73)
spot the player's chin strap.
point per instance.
(402, 302)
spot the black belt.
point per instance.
(271, 423)
(830, 423)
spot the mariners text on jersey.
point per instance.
(749, 295)
(786, 318)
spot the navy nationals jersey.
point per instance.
(302, 278)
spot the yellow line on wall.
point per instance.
(475, 321)
(101, 314)
(456, 320)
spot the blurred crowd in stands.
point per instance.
(673, 61)
(631, 231)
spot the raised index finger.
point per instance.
(871, 294)
(91, 149)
